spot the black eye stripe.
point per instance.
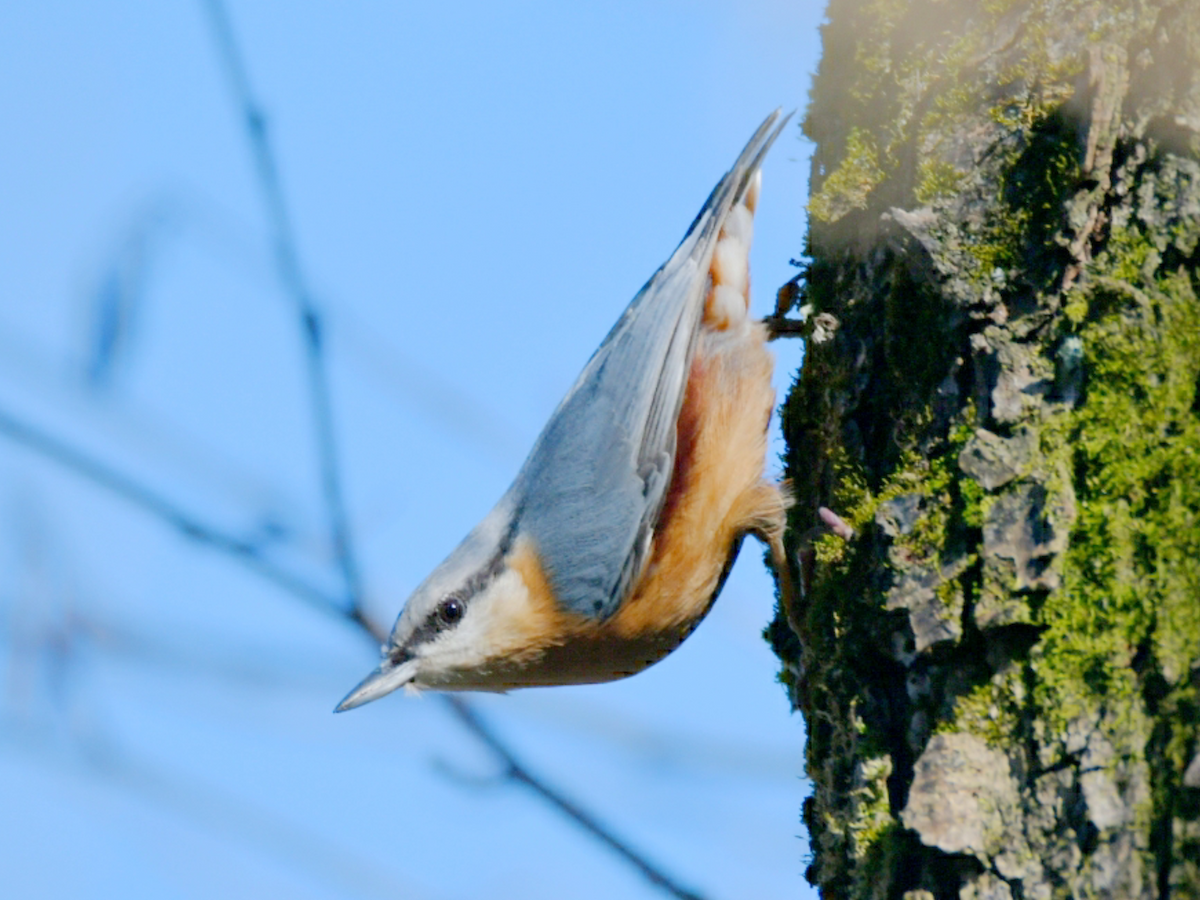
(453, 607)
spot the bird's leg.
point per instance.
(786, 298)
(806, 555)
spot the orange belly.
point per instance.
(717, 496)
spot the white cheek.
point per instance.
(490, 629)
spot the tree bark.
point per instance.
(1000, 669)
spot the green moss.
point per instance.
(848, 185)
(908, 73)
(873, 813)
(992, 710)
(1132, 572)
(1036, 188)
(906, 87)
(873, 877)
(1128, 256)
(976, 502)
(856, 503)
(1076, 306)
(936, 178)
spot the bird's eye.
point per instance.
(450, 611)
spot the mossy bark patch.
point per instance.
(1001, 395)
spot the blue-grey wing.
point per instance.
(594, 485)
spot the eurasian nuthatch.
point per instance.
(617, 534)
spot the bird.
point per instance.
(617, 534)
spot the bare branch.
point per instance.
(208, 806)
(516, 771)
(291, 275)
(191, 526)
(249, 553)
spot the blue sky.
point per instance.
(477, 191)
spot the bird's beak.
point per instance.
(385, 679)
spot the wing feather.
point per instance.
(592, 489)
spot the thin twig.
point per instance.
(192, 526)
(515, 771)
(247, 553)
(343, 868)
(291, 275)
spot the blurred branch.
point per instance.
(191, 526)
(197, 529)
(291, 275)
(350, 873)
(516, 771)
(437, 398)
(30, 365)
(294, 283)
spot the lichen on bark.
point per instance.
(1000, 671)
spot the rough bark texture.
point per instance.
(1000, 671)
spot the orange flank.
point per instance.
(717, 496)
(717, 493)
(682, 381)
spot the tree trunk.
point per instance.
(1000, 669)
